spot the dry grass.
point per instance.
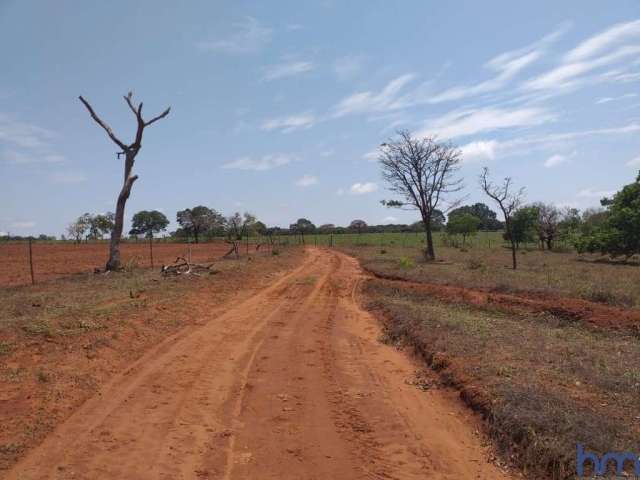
(543, 383)
(564, 274)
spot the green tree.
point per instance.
(100, 224)
(524, 226)
(302, 226)
(358, 225)
(148, 222)
(488, 218)
(463, 224)
(199, 220)
(619, 232)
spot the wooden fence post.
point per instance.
(33, 280)
(151, 250)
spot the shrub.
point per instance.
(406, 262)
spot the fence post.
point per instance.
(33, 280)
(151, 250)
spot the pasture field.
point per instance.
(548, 354)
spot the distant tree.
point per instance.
(358, 225)
(509, 200)
(327, 228)
(100, 224)
(147, 223)
(548, 223)
(236, 227)
(130, 152)
(198, 220)
(301, 227)
(463, 224)
(619, 232)
(524, 226)
(78, 228)
(488, 218)
(438, 222)
(260, 228)
(422, 172)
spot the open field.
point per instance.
(55, 260)
(546, 371)
(268, 369)
(553, 274)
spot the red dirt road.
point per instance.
(289, 384)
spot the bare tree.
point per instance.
(509, 200)
(422, 171)
(129, 151)
(549, 218)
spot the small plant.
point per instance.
(406, 262)
(476, 264)
(43, 377)
(383, 251)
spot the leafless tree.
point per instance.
(508, 199)
(130, 152)
(423, 172)
(548, 223)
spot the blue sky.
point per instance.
(277, 107)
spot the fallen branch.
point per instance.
(182, 266)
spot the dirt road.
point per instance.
(290, 384)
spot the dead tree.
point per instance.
(130, 152)
(508, 200)
(423, 172)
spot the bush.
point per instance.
(406, 262)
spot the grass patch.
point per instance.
(542, 383)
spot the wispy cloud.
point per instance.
(459, 123)
(23, 225)
(24, 135)
(348, 67)
(22, 158)
(250, 36)
(290, 123)
(267, 162)
(602, 100)
(68, 177)
(634, 162)
(555, 160)
(601, 50)
(286, 69)
(506, 66)
(591, 193)
(307, 181)
(371, 156)
(370, 102)
(389, 219)
(363, 188)
(479, 151)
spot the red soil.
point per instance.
(57, 260)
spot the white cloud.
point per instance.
(371, 156)
(555, 160)
(348, 67)
(478, 151)
(68, 177)
(23, 225)
(327, 153)
(591, 193)
(368, 102)
(389, 219)
(634, 162)
(506, 65)
(290, 123)
(362, 188)
(250, 36)
(23, 135)
(267, 162)
(611, 99)
(612, 36)
(295, 26)
(603, 49)
(21, 158)
(287, 69)
(340, 192)
(459, 123)
(307, 181)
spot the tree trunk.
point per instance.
(429, 253)
(116, 233)
(514, 258)
(195, 235)
(549, 244)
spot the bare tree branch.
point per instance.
(100, 122)
(155, 119)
